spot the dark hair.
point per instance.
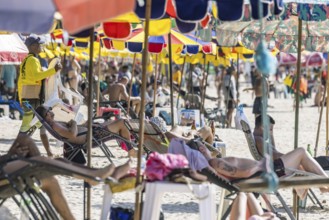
(42, 110)
(258, 120)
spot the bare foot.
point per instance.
(324, 189)
(105, 172)
(122, 170)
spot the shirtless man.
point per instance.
(257, 107)
(234, 167)
(25, 147)
(117, 92)
(77, 134)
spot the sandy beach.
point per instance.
(185, 206)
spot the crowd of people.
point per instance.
(118, 83)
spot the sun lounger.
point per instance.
(257, 156)
(151, 129)
(74, 149)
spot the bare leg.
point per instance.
(253, 205)
(53, 190)
(119, 127)
(45, 142)
(300, 157)
(137, 105)
(206, 134)
(229, 117)
(121, 171)
(239, 208)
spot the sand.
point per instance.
(185, 206)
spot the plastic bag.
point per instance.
(240, 116)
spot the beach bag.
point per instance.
(323, 161)
(240, 115)
(158, 166)
(120, 213)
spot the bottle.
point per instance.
(309, 150)
(193, 127)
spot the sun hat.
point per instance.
(160, 123)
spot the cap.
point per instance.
(32, 40)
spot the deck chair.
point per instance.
(75, 150)
(229, 187)
(122, 105)
(151, 129)
(55, 89)
(257, 156)
(24, 175)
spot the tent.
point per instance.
(12, 49)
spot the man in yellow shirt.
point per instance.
(177, 77)
(29, 86)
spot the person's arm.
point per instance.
(33, 66)
(69, 131)
(259, 145)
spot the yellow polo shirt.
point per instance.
(31, 73)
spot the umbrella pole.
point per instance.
(90, 116)
(171, 83)
(327, 104)
(138, 199)
(237, 76)
(98, 74)
(155, 85)
(131, 81)
(295, 198)
(320, 119)
(203, 86)
(181, 80)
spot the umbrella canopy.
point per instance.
(37, 16)
(158, 43)
(12, 49)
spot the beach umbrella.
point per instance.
(37, 16)
(12, 49)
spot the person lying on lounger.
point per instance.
(234, 167)
(77, 134)
(205, 132)
(258, 135)
(24, 146)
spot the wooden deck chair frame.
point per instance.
(76, 148)
(257, 156)
(35, 204)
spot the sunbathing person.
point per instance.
(258, 135)
(117, 92)
(24, 146)
(77, 134)
(205, 132)
(234, 167)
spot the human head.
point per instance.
(33, 44)
(45, 112)
(259, 124)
